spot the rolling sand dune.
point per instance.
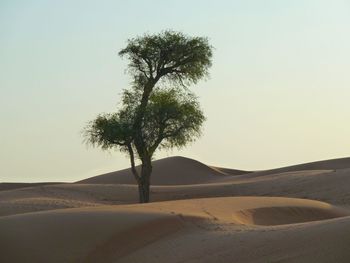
(11, 186)
(246, 219)
(326, 185)
(334, 164)
(184, 171)
(110, 233)
(169, 171)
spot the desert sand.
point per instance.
(199, 213)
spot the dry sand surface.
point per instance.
(207, 214)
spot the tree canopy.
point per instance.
(169, 55)
(172, 118)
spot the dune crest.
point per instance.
(271, 216)
(169, 171)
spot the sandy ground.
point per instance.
(293, 214)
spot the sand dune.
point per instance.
(282, 215)
(333, 164)
(169, 171)
(110, 233)
(58, 196)
(75, 195)
(98, 220)
(11, 186)
(326, 185)
(184, 171)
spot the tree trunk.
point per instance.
(146, 168)
(144, 181)
(143, 192)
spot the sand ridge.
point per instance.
(169, 171)
(206, 214)
(108, 233)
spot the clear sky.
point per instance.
(278, 93)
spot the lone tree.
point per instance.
(153, 116)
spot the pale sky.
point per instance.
(278, 93)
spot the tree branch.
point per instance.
(174, 133)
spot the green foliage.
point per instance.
(172, 118)
(170, 55)
(110, 131)
(150, 116)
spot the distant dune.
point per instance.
(333, 164)
(340, 163)
(168, 171)
(11, 186)
(298, 213)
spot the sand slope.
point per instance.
(89, 221)
(109, 233)
(168, 171)
(184, 171)
(11, 186)
(333, 164)
(326, 185)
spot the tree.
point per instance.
(151, 116)
(172, 118)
